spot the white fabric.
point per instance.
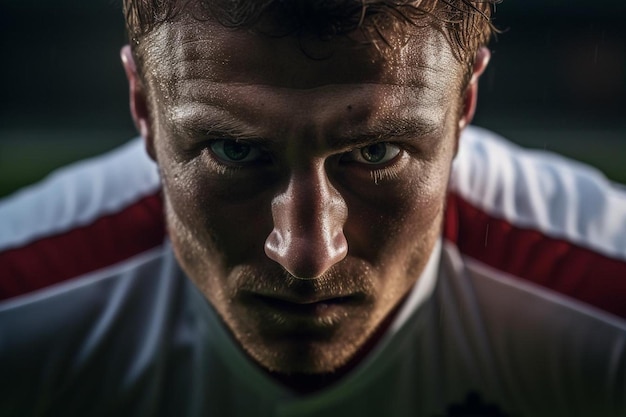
(77, 195)
(137, 338)
(541, 191)
(140, 340)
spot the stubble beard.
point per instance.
(197, 259)
(290, 357)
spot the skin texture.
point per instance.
(303, 247)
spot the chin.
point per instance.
(314, 353)
(307, 367)
(302, 357)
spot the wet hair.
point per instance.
(465, 23)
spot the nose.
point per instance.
(308, 237)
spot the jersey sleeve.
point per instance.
(81, 218)
(540, 217)
(531, 214)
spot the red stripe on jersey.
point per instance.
(556, 264)
(108, 240)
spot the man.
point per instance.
(304, 152)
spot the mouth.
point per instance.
(291, 317)
(312, 307)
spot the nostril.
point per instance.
(273, 245)
(339, 247)
(303, 257)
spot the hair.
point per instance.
(465, 23)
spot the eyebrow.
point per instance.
(219, 124)
(387, 129)
(224, 124)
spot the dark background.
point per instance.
(557, 81)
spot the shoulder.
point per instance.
(113, 331)
(532, 214)
(28, 315)
(82, 218)
(541, 218)
(540, 352)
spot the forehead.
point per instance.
(190, 49)
(202, 75)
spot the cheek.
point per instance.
(209, 224)
(399, 221)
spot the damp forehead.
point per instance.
(206, 75)
(189, 49)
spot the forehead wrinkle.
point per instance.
(248, 98)
(197, 71)
(330, 128)
(203, 50)
(185, 62)
(204, 102)
(194, 75)
(233, 94)
(170, 45)
(427, 55)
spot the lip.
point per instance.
(313, 307)
(298, 319)
(302, 307)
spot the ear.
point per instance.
(471, 93)
(138, 100)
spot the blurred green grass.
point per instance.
(28, 157)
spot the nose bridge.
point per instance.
(310, 202)
(309, 216)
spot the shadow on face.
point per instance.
(304, 196)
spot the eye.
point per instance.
(234, 151)
(375, 154)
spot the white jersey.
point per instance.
(520, 311)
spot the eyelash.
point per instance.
(389, 172)
(218, 166)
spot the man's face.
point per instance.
(304, 190)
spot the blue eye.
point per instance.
(234, 151)
(375, 154)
